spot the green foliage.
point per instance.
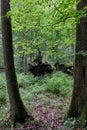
(60, 83)
(3, 95)
(31, 88)
(48, 24)
(70, 123)
(26, 80)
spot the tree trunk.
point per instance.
(22, 62)
(17, 109)
(80, 76)
(25, 65)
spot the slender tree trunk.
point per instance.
(80, 76)
(22, 62)
(17, 109)
(25, 65)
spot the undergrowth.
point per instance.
(48, 89)
(60, 84)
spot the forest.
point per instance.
(43, 65)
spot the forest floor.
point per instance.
(46, 117)
(47, 100)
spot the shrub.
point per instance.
(60, 83)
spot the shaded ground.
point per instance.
(49, 118)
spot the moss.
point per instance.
(82, 121)
(83, 117)
(73, 109)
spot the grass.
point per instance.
(47, 89)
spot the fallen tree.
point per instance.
(38, 68)
(64, 68)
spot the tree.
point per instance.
(17, 109)
(53, 32)
(79, 96)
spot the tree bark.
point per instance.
(80, 75)
(17, 108)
